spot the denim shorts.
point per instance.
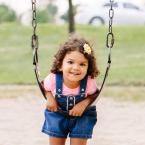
(58, 125)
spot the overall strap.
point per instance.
(59, 84)
(83, 85)
(59, 81)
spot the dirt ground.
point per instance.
(21, 118)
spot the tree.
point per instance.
(7, 14)
(71, 17)
(65, 16)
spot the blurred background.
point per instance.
(90, 19)
(96, 8)
(55, 20)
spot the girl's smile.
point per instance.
(74, 68)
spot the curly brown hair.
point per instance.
(75, 44)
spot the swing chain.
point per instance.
(35, 45)
(110, 35)
(34, 22)
(109, 44)
(34, 36)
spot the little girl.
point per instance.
(69, 87)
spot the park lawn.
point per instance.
(128, 53)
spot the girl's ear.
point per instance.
(60, 69)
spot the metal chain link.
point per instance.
(109, 44)
(34, 23)
(34, 36)
(35, 45)
(110, 35)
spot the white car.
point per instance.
(125, 13)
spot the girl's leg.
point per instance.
(56, 141)
(78, 141)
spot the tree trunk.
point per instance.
(71, 17)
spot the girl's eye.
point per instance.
(70, 62)
(82, 64)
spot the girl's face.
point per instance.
(74, 68)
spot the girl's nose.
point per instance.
(76, 66)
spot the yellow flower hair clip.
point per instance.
(87, 49)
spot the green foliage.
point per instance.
(43, 17)
(128, 65)
(47, 15)
(65, 15)
(52, 9)
(7, 14)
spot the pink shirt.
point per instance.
(50, 85)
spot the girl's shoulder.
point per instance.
(91, 85)
(50, 76)
(49, 82)
(90, 79)
(91, 82)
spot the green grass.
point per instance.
(128, 53)
(125, 93)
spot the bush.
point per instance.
(42, 16)
(47, 15)
(7, 14)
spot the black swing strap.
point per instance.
(35, 45)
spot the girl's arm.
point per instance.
(79, 108)
(51, 103)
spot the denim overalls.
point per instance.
(60, 124)
(66, 103)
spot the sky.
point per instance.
(22, 6)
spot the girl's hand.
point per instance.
(51, 103)
(78, 109)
